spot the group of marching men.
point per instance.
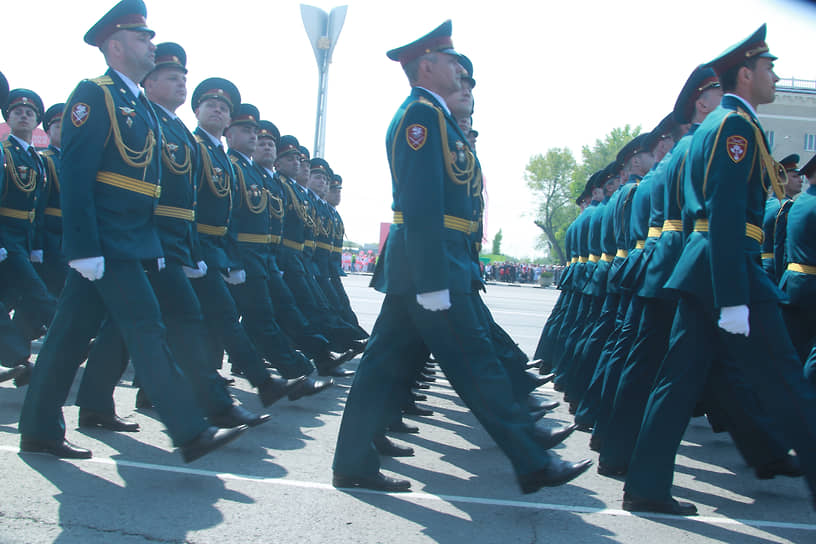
(250, 244)
(652, 325)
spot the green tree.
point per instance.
(497, 240)
(549, 177)
(599, 155)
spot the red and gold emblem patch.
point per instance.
(416, 136)
(736, 147)
(79, 114)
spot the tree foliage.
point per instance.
(599, 155)
(548, 176)
(497, 240)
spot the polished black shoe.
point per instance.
(420, 385)
(557, 386)
(142, 400)
(345, 357)
(418, 397)
(273, 389)
(787, 466)
(24, 374)
(671, 506)
(402, 428)
(610, 472)
(536, 363)
(549, 438)
(536, 404)
(413, 410)
(357, 346)
(337, 373)
(7, 374)
(595, 443)
(545, 378)
(209, 440)
(538, 414)
(237, 416)
(558, 473)
(310, 386)
(62, 449)
(237, 372)
(378, 482)
(111, 422)
(227, 381)
(427, 378)
(573, 407)
(390, 449)
(584, 428)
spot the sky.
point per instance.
(549, 74)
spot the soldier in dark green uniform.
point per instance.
(727, 304)
(54, 268)
(429, 278)
(110, 188)
(792, 187)
(769, 222)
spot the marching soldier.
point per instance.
(110, 187)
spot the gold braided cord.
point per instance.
(300, 208)
(220, 186)
(52, 168)
(770, 168)
(460, 176)
(14, 174)
(253, 208)
(180, 169)
(132, 157)
(275, 205)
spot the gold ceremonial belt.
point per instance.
(606, 257)
(640, 244)
(292, 245)
(802, 268)
(129, 184)
(18, 214)
(622, 253)
(582, 259)
(672, 225)
(255, 238)
(594, 258)
(212, 230)
(751, 231)
(54, 212)
(323, 245)
(337, 250)
(654, 232)
(764, 256)
(309, 243)
(450, 222)
(172, 211)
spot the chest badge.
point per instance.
(736, 147)
(416, 135)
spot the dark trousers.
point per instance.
(544, 347)
(461, 345)
(766, 360)
(186, 337)
(124, 294)
(14, 347)
(33, 305)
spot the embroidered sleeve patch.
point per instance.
(80, 113)
(736, 147)
(416, 136)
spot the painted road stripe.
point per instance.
(415, 496)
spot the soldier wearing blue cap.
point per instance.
(110, 188)
(26, 185)
(428, 279)
(726, 301)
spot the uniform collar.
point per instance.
(25, 145)
(740, 99)
(129, 83)
(268, 171)
(165, 110)
(438, 98)
(213, 139)
(247, 159)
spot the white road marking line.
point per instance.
(417, 496)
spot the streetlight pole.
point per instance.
(323, 29)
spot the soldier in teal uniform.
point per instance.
(769, 221)
(110, 180)
(792, 187)
(727, 303)
(429, 279)
(799, 278)
(14, 348)
(54, 267)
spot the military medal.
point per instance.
(460, 151)
(130, 113)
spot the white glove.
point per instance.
(3, 254)
(734, 319)
(235, 277)
(199, 272)
(161, 264)
(435, 300)
(36, 256)
(90, 268)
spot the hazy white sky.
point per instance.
(549, 74)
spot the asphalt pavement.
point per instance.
(274, 483)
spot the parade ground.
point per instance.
(273, 485)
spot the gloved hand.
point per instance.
(161, 264)
(3, 254)
(199, 272)
(435, 300)
(235, 277)
(734, 319)
(90, 268)
(36, 255)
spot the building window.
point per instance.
(810, 142)
(770, 135)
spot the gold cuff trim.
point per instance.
(574, 260)
(802, 268)
(764, 256)
(212, 230)
(640, 244)
(622, 253)
(582, 259)
(751, 231)
(606, 257)
(172, 211)
(594, 258)
(129, 184)
(672, 225)
(18, 214)
(654, 232)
